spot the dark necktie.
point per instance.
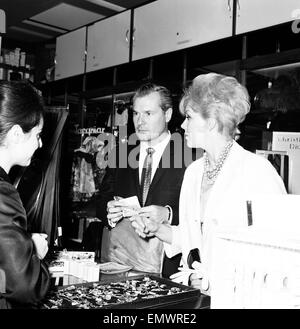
(146, 174)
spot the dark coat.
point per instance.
(27, 277)
(164, 190)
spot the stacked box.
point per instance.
(80, 264)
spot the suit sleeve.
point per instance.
(27, 277)
(175, 247)
(105, 194)
(174, 201)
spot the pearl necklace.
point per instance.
(211, 175)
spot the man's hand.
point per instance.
(114, 212)
(40, 243)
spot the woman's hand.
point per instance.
(182, 276)
(199, 279)
(148, 220)
(139, 224)
(158, 214)
(199, 282)
(196, 281)
(151, 227)
(40, 243)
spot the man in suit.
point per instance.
(152, 110)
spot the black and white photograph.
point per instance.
(149, 160)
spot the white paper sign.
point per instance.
(290, 142)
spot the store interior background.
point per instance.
(265, 58)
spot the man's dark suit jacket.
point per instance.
(164, 190)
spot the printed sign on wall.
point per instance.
(290, 142)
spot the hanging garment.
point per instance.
(88, 169)
(83, 184)
(121, 119)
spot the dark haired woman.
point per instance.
(24, 278)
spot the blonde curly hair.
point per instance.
(220, 97)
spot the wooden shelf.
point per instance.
(274, 59)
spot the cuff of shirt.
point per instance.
(173, 248)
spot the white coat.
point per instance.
(243, 175)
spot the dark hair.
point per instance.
(20, 103)
(149, 88)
